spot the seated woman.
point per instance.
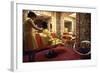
(50, 38)
(68, 40)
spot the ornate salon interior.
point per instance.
(64, 36)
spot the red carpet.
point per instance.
(63, 53)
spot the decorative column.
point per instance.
(58, 24)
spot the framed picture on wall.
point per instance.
(52, 36)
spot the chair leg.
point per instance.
(31, 56)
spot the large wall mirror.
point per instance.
(68, 25)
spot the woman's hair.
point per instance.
(31, 14)
(44, 25)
